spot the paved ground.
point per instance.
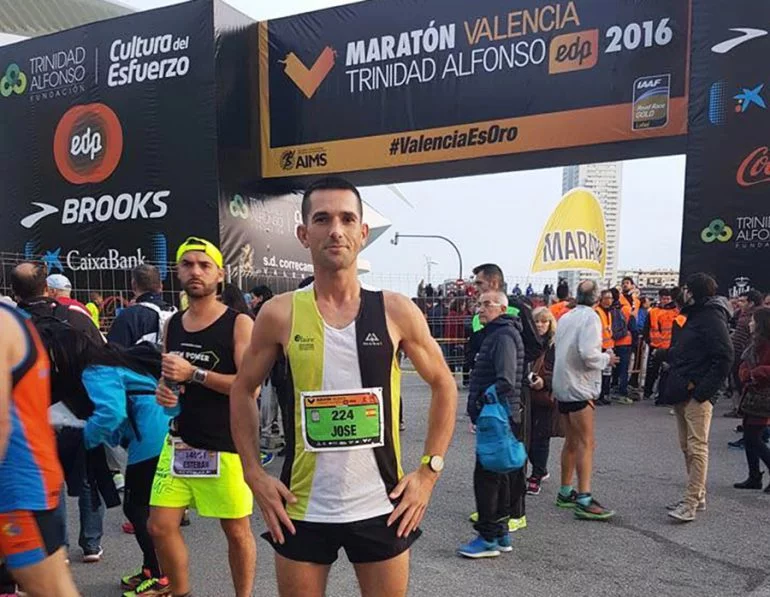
(638, 470)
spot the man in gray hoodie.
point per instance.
(577, 382)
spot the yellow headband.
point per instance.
(193, 243)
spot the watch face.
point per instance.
(437, 464)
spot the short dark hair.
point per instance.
(490, 270)
(146, 277)
(28, 280)
(701, 286)
(562, 291)
(330, 183)
(263, 291)
(664, 292)
(605, 292)
(753, 296)
(629, 278)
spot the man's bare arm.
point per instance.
(427, 358)
(10, 339)
(256, 363)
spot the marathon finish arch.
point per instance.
(121, 138)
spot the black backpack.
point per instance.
(56, 332)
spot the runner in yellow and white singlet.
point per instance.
(342, 484)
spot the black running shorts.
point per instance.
(566, 408)
(364, 541)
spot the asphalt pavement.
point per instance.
(638, 470)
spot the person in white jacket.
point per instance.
(577, 380)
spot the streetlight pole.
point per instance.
(394, 241)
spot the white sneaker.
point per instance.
(701, 505)
(91, 556)
(683, 513)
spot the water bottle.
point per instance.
(172, 411)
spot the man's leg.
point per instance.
(653, 367)
(582, 426)
(300, 579)
(49, 578)
(568, 452)
(698, 418)
(384, 579)
(242, 554)
(624, 353)
(487, 489)
(91, 519)
(752, 436)
(170, 546)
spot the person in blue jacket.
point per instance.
(121, 384)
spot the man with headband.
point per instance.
(199, 466)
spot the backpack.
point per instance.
(497, 448)
(619, 324)
(163, 316)
(66, 385)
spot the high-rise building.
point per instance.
(604, 180)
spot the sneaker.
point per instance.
(701, 505)
(131, 581)
(402, 426)
(185, 519)
(479, 548)
(505, 544)
(533, 486)
(267, 458)
(152, 587)
(516, 524)
(91, 556)
(593, 511)
(566, 501)
(625, 400)
(738, 444)
(128, 528)
(474, 517)
(683, 513)
(545, 477)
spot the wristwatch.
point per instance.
(435, 462)
(199, 376)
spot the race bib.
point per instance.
(342, 420)
(192, 462)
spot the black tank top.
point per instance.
(204, 419)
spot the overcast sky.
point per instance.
(499, 217)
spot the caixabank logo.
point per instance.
(87, 149)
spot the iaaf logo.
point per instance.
(755, 168)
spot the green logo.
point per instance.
(238, 208)
(14, 81)
(717, 230)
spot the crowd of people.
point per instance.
(177, 393)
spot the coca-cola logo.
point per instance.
(755, 168)
(88, 143)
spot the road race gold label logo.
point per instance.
(309, 79)
(88, 143)
(574, 51)
(651, 100)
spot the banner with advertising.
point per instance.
(726, 230)
(374, 87)
(108, 152)
(575, 237)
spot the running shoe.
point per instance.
(152, 587)
(479, 548)
(533, 486)
(504, 543)
(738, 444)
(593, 511)
(131, 581)
(128, 528)
(625, 400)
(516, 524)
(568, 501)
(701, 505)
(267, 458)
(683, 513)
(185, 519)
(474, 517)
(91, 556)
